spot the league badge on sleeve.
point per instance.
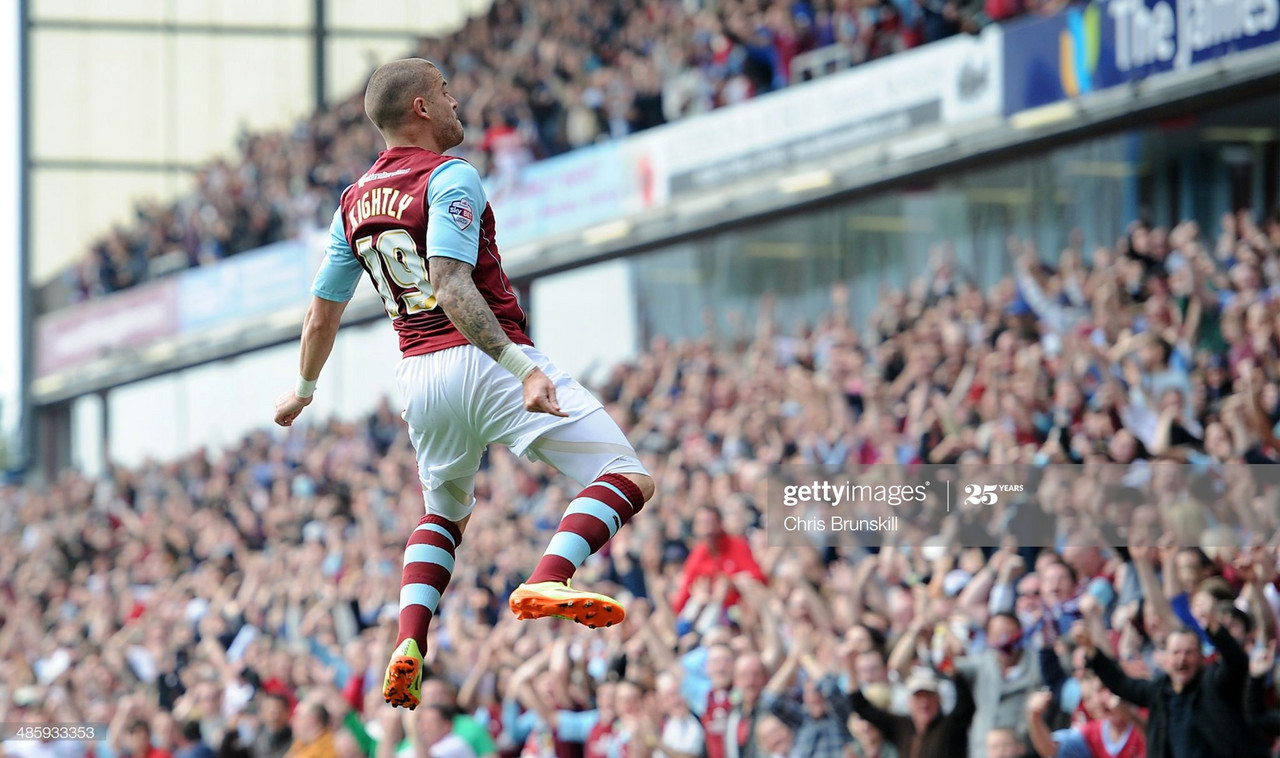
(460, 210)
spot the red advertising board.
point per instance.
(95, 329)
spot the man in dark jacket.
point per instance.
(1261, 667)
(927, 732)
(275, 736)
(1194, 709)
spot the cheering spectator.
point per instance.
(432, 734)
(436, 691)
(1262, 669)
(191, 743)
(129, 734)
(137, 742)
(1002, 678)
(868, 740)
(926, 731)
(549, 717)
(682, 735)
(312, 732)
(1194, 709)
(275, 736)
(819, 718)
(1004, 743)
(716, 554)
(707, 689)
(1112, 730)
(740, 733)
(774, 738)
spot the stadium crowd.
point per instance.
(244, 603)
(535, 79)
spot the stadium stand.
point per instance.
(537, 79)
(166, 581)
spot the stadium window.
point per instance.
(1270, 173)
(1238, 161)
(1174, 186)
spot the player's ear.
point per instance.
(420, 106)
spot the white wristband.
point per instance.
(305, 387)
(514, 360)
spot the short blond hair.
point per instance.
(392, 89)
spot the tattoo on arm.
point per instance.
(465, 306)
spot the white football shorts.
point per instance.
(458, 401)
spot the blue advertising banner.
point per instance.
(251, 284)
(569, 192)
(1091, 47)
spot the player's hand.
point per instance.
(290, 405)
(539, 395)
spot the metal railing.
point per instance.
(821, 62)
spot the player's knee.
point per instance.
(448, 505)
(645, 483)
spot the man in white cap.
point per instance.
(926, 732)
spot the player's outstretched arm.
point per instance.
(319, 330)
(458, 297)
